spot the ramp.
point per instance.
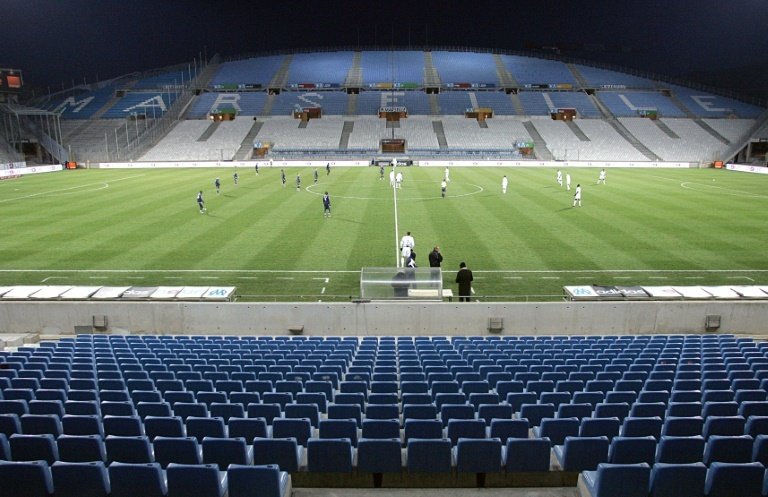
(539, 145)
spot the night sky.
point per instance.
(61, 41)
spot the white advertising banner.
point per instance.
(251, 164)
(746, 168)
(21, 171)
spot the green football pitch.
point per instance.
(141, 227)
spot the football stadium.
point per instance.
(210, 283)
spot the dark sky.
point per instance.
(55, 41)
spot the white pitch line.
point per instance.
(513, 277)
(550, 277)
(693, 277)
(247, 277)
(64, 190)
(741, 277)
(397, 235)
(284, 278)
(322, 291)
(51, 278)
(209, 277)
(622, 277)
(657, 278)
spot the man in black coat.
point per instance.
(435, 257)
(464, 279)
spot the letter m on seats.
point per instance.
(74, 105)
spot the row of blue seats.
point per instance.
(95, 479)
(675, 480)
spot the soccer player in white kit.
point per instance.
(398, 180)
(406, 246)
(559, 177)
(601, 178)
(568, 181)
(577, 196)
(447, 175)
(443, 187)
(392, 178)
(504, 183)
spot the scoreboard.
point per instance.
(11, 81)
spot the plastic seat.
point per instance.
(185, 410)
(130, 480)
(346, 411)
(180, 450)
(286, 453)
(203, 480)
(683, 426)
(382, 411)
(556, 429)
(381, 428)
(18, 407)
(129, 449)
(124, 426)
(80, 479)
(117, 408)
(478, 456)
(308, 411)
(339, 428)
(226, 411)
(82, 425)
(534, 413)
(723, 425)
(527, 455)
(618, 410)
(730, 449)
(329, 455)
(422, 428)
(719, 409)
(34, 448)
(39, 406)
(27, 478)
(145, 396)
(267, 411)
(210, 398)
(680, 450)
(599, 427)
(165, 426)
(465, 428)
(419, 411)
(205, 427)
(627, 480)
(641, 427)
(734, 480)
(429, 455)
(582, 453)
(456, 411)
(749, 408)
(248, 428)
(504, 429)
(226, 451)
(269, 479)
(81, 448)
(516, 400)
(300, 429)
(38, 424)
(677, 480)
(632, 450)
(379, 455)
(9, 424)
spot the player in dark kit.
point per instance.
(217, 184)
(328, 169)
(201, 202)
(282, 176)
(298, 182)
(315, 175)
(326, 205)
(235, 177)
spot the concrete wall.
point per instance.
(384, 318)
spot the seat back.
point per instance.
(205, 427)
(627, 480)
(329, 455)
(226, 451)
(271, 482)
(200, 480)
(582, 453)
(379, 455)
(729, 479)
(80, 479)
(286, 453)
(81, 448)
(29, 478)
(478, 456)
(34, 448)
(130, 480)
(528, 454)
(179, 450)
(129, 449)
(632, 450)
(680, 450)
(731, 449)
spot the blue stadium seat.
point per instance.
(346, 411)
(422, 428)
(284, 452)
(226, 451)
(300, 429)
(40, 406)
(339, 428)
(81, 448)
(9, 424)
(429, 455)
(226, 411)
(381, 428)
(267, 411)
(582, 453)
(478, 456)
(734, 480)
(527, 455)
(180, 450)
(269, 479)
(556, 429)
(677, 480)
(627, 480)
(680, 450)
(39, 424)
(465, 428)
(129, 449)
(632, 450)
(124, 426)
(197, 480)
(723, 425)
(379, 455)
(80, 479)
(641, 427)
(682, 426)
(82, 425)
(329, 455)
(34, 448)
(117, 408)
(205, 427)
(129, 480)
(248, 428)
(730, 449)
(5, 448)
(27, 478)
(599, 427)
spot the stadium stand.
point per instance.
(601, 78)
(533, 71)
(458, 67)
(331, 68)
(255, 70)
